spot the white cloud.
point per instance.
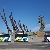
(47, 28)
(35, 29)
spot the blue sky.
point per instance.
(27, 11)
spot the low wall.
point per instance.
(35, 38)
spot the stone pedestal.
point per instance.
(40, 34)
(12, 37)
(24, 32)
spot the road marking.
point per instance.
(46, 43)
(43, 46)
(3, 44)
(24, 44)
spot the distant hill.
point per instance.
(2, 33)
(47, 31)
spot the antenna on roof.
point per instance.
(4, 12)
(4, 7)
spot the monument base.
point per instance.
(40, 34)
(12, 37)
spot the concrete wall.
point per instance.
(35, 39)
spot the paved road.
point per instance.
(28, 45)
